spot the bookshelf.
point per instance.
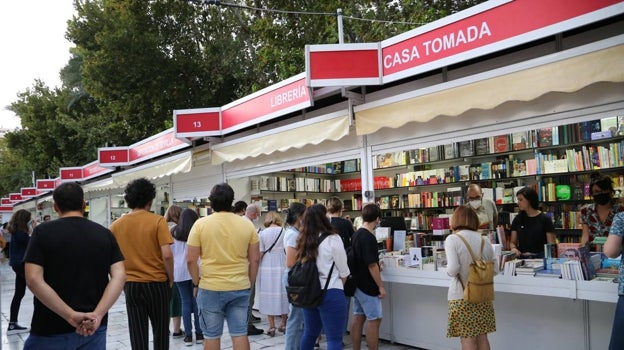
(422, 183)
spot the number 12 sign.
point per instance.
(192, 123)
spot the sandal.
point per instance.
(282, 329)
(271, 332)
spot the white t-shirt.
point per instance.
(332, 250)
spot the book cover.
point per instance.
(434, 153)
(501, 143)
(519, 140)
(609, 124)
(450, 151)
(545, 137)
(414, 156)
(466, 148)
(272, 204)
(482, 146)
(587, 128)
(350, 166)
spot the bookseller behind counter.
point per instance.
(531, 228)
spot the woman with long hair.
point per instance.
(172, 216)
(294, 324)
(182, 277)
(319, 240)
(20, 227)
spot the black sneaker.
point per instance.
(188, 341)
(199, 338)
(179, 334)
(252, 330)
(15, 328)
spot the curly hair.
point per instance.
(313, 224)
(139, 193)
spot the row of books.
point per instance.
(544, 137)
(347, 166)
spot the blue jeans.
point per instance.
(189, 306)
(215, 306)
(617, 332)
(294, 328)
(67, 341)
(330, 316)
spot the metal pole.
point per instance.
(340, 31)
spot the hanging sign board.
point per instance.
(343, 64)
(6, 209)
(71, 174)
(46, 185)
(15, 197)
(27, 192)
(6, 201)
(200, 122)
(113, 156)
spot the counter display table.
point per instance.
(531, 312)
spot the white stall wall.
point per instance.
(197, 183)
(99, 211)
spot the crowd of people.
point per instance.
(198, 273)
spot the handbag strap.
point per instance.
(273, 245)
(474, 259)
(329, 276)
(471, 254)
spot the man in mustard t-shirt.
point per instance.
(145, 240)
(228, 248)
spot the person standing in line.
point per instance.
(7, 237)
(252, 213)
(239, 208)
(469, 321)
(531, 229)
(345, 230)
(172, 216)
(596, 218)
(145, 240)
(20, 227)
(68, 264)
(182, 277)
(294, 323)
(613, 249)
(485, 208)
(331, 313)
(273, 300)
(228, 249)
(367, 273)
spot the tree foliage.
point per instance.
(135, 61)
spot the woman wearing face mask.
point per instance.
(531, 229)
(597, 217)
(484, 208)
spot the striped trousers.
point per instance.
(148, 302)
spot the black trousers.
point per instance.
(148, 302)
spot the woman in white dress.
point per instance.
(273, 299)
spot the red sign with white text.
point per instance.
(197, 122)
(94, 169)
(113, 156)
(71, 174)
(29, 191)
(277, 100)
(6, 209)
(15, 197)
(6, 201)
(157, 145)
(451, 40)
(48, 184)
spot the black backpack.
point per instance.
(304, 286)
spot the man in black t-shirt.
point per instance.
(367, 273)
(68, 264)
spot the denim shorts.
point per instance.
(216, 306)
(364, 304)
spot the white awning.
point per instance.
(181, 163)
(560, 72)
(309, 132)
(101, 185)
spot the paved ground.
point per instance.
(117, 324)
